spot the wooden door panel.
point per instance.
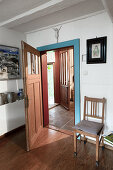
(64, 96)
(56, 71)
(31, 110)
(38, 106)
(33, 94)
(64, 78)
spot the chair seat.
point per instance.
(89, 127)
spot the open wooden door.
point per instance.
(65, 78)
(56, 72)
(33, 94)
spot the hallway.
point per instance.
(62, 118)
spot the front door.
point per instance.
(64, 78)
(33, 94)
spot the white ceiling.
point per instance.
(12, 10)
(28, 15)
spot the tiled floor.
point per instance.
(61, 118)
(52, 105)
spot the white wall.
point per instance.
(99, 79)
(11, 115)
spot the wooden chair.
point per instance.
(88, 127)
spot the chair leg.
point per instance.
(97, 150)
(102, 142)
(75, 144)
(85, 139)
(80, 137)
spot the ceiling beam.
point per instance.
(32, 11)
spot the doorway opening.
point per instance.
(60, 72)
(50, 75)
(36, 88)
(50, 85)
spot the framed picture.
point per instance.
(9, 63)
(96, 50)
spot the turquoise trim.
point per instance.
(76, 44)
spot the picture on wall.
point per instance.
(96, 50)
(9, 62)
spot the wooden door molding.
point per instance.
(33, 93)
(45, 88)
(75, 44)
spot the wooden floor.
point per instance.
(62, 118)
(54, 152)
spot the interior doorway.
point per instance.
(75, 43)
(36, 91)
(51, 82)
(60, 72)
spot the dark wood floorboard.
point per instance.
(54, 152)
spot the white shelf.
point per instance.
(13, 102)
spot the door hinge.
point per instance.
(26, 102)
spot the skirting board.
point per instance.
(94, 142)
(12, 131)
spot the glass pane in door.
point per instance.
(33, 64)
(29, 62)
(37, 64)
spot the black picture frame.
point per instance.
(96, 50)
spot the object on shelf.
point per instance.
(10, 97)
(1, 99)
(5, 98)
(15, 96)
(20, 94)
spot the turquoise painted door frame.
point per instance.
(76, 44)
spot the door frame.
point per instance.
(76, 44)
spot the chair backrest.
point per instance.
(92, 108)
